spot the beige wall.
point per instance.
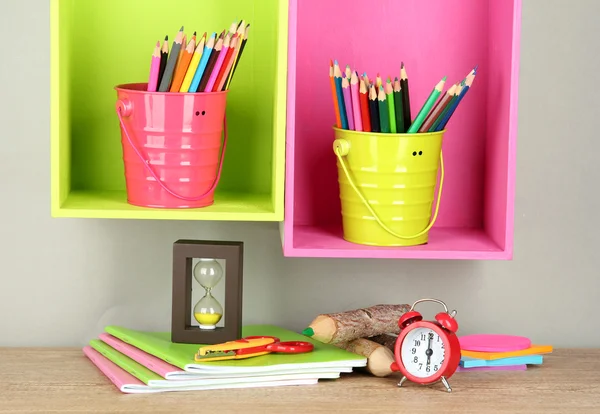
(94, 272)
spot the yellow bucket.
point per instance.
(387, 184)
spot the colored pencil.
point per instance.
(367, 82)
(183, 65)
(184, 44)
(220, 59)
(364, 106)
(336, 105)
(227, 64)
(374, 109)
(241, 32)
(355, 102)
(337, 76)
(206, 54)
(211, 63)
(239, 55)
(384, 111)
(348, 102)
(441, 116)
(154, 68)
(193, 66)
(378, 82)
(399, 108)
(233, 27)
(438, 109)
(468, 83)
(348, 72)
(164, 56)
(168, 75)
(435, 93)
(389, 92)
(405, 96)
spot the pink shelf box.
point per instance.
(434, 38)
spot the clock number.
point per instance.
(417, 342)
(427, 368)
(438, 338)
(414, 351)
(435, 367)
(423, 337)
(420, 366)
(442, 345)
(416, 360)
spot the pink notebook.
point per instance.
(128, 384)
(522, 367)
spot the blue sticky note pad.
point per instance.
(467, 362)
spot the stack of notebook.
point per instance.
(148, 362)
(500, 353)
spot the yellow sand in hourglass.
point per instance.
(208, 311)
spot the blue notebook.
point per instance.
(467, 362)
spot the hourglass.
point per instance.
(208, 273)
(208, 311)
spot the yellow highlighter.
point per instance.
(250, 346)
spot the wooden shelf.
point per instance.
(477, 205)
(565, 383)
(87, 173)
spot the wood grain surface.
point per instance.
(48, 380)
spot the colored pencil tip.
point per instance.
(402, 65)
(475, 68)
(181, 30)
(335, 62)
(444, 78)
(308, 332)
(194, 33)
(167, 37)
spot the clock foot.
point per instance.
(402, 381)
(445, 382)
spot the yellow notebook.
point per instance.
(533, 350)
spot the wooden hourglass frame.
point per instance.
(184, 251)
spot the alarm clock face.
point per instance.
(423, 352)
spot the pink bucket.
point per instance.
(172, 150)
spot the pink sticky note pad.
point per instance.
(485, 369)
(493, 343)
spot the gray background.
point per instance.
(90, 273)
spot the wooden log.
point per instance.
(387, 340)
(379, 358)
(359, 323)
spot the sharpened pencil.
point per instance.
(364, 106)
(206, 54)
(438, 109)
(348, 102)
(468, 83)
(214, 55)
(193, 66)
(183, 65)
(219, 62)
(336, 104)
(154, 68)
(389, 93)
(374, 109)
(337, 75)
(405, 96)
(170, 68)
(384, 114)
(426, 108)
(239, 55)
(358, 126)
(399, 108)
(164, 56)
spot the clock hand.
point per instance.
(429, 350)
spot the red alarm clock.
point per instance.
(427, 351)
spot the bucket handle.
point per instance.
(341, 148)
(123, 107)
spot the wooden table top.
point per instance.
(49, 380)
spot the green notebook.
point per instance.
(182, 355)
(154, 380)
